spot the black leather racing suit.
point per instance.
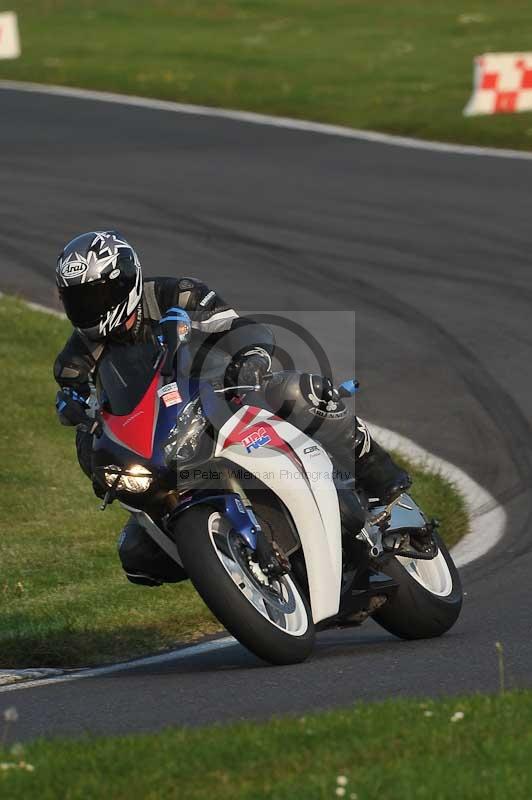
(216, 327)
(220, 335)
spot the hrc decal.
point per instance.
(255, 439)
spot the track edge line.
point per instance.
(256, 118)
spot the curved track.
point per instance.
(432, 249)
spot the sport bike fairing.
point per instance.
(143, 410)
(141, 406)
(300, 473)
(291, 464)
(145, 429)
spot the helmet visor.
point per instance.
(88, 303)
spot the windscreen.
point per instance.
(124, 375)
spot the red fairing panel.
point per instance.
(245, 432)
(136, 430)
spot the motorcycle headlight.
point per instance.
(137, 479)
(184, 438)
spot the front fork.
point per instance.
(237, 509)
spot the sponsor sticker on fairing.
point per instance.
(169, 394)
(254, 440)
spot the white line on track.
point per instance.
(487, 517)
(18, 676)
(264, 119)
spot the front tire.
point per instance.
(428, 600)
(272, 619)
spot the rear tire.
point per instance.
(425, 607)
(220, 578)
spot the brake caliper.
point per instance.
(270, 557)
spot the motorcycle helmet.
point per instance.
(99, 278)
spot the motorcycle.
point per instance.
(275, 537)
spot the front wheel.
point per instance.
(429, 598)
(269, 616)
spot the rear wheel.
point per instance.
(428, 600)
(269, 616)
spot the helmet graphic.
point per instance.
(99, 278)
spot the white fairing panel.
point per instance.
(300, 473)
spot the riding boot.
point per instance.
(375, 470)
(372, 467)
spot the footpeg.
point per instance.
(413, 543)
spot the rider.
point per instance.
(101, 286)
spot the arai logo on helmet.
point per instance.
(73, 269)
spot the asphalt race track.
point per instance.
(432, 251)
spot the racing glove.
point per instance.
(72, 410)
(175, 328)
(249, 368)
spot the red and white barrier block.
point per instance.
(9, 37)
(502, 84)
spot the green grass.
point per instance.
(438, 496)
(64, 599)
(403, 66)
(396, 750)
(63, 596)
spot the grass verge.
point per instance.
(474, 747)
(63, 596)
(401, 67)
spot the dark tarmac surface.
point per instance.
(432, 252)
